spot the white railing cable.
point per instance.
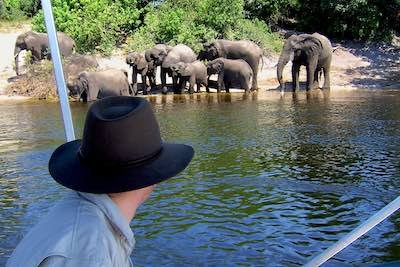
(355, 234)
(58, 70)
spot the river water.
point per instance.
(274, 179)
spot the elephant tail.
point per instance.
(125, 72)
(262, 61)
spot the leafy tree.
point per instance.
(94, 25)
(16, 9)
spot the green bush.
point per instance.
(359, 19)
(95, 25)
(17, 9)
(258, 32)
(197, 22)
(355, 19)
(271, 11)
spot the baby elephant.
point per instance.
(90, 86)
(232, 73)
(140, 66)
(195, 73)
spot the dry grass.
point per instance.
(38, 82)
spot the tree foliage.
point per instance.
(102, 24)
(17, 9)
(355, 19)
(196, 22)
(94, 25)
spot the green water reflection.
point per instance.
(275, 178)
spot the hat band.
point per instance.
(122, 164)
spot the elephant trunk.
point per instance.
(283, 60)
(17, 50)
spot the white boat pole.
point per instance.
(355, 234)
(58, 70)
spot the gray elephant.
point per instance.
(140, 66)
(246, 50)
(38, 45)
(169, 57)
(155, 55)
(194, 73)
(232, 73)
(90, 86)
(311, 50)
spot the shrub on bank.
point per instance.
(37, 83)
(18, 9)
(197, 22)
(95, 25)
(355, 19)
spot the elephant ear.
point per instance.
(141, 62)
(311, 43)
(219, 65)
(148, 55)
(31, 42)
(83, 81)
(216, 50)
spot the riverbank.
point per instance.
(354, 66)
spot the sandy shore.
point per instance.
(354, 66)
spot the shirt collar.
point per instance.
(112, 212)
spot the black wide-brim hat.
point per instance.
(121, 150)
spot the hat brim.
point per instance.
(66, 168)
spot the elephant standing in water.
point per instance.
(90, 86)
(231, 73)
(179, 53)
(140, 66)
(311, 50)
(195, 73)
(38, 45)
(166, 56)
(155, 55)
(246, 50)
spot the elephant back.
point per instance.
(242, 49)
(179, 53)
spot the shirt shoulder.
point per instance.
(57, 261)
(73, 229)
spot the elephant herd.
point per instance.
(236, 63)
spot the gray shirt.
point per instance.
(81, 230)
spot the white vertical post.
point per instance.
(355, 234)
(58, 70)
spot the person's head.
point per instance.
(121, 151)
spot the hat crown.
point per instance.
(120, 131)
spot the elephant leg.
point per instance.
(198, 87)
(144, 84)
(152, 80)
(220, 82)
(182, 85)
(311, 69)
(175, 84)
(164, 81)
(207, 85)
(192, 82)
(254, 67)
(295, 76)
(316, 79)
(327, 80)
(134, 82)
